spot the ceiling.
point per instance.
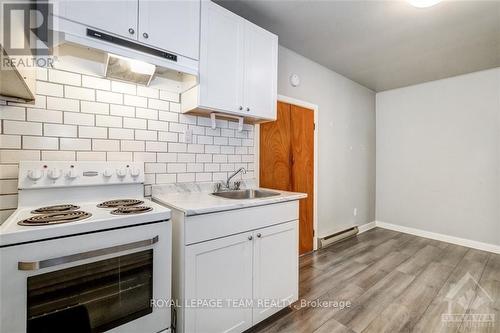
(384, 44)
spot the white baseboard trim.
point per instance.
(440, 237)
(365, 227)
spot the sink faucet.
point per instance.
(226, 185)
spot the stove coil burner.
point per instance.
(55, 209)
(120, 203)
(131, 210)
(57, 218)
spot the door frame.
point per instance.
(314, 107)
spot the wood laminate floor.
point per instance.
(395, 283)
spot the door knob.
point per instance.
(131, 31)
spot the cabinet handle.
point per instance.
(145, 35)
(259, 235)
(131, 31)
(250, 237)
(241, 108)
(248, 109)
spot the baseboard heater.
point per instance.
(337, 237)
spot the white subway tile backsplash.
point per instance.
(59, 130)
(8, 186)
(59, 155)
(121, 133)
(14, 156)
(42, 115)
(135, 123)
(108, 121)
(169, 96)
(84, 117)
(74, 118)
(132, 145)
(121, 110)
(105, 145)
(49, 89)
(12, 112)
(90, 156)
(135, 101)
(146, 113)
(109, 97)
(40, 142)
(95, 82)
(21, 127)
(92, 132)
(79, 93)
(94, 107)
(123, 87)
(63, 77)
(75, 144)
(63, 104)
(10, 141)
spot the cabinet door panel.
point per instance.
(220, 269)
(276, 260)
(115, 16)
(172, 25)
(221, 59)
(260, 75)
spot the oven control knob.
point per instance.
(107, 173)
(54, 174)
(135, 172)
(72, 174)
(121, 173)
(34, 174)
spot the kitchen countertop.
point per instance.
(196, 199)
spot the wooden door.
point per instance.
(172, 25)
(275, 258)
(287, 162)
(219, 269)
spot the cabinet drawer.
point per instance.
(200, 228)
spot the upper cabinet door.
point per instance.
(219, 269)
(115, 16)
(221, 59)
(261, 71)
(276, 260)
(172, 25)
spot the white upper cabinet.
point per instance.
(238, 67)
(115, 16)
(172, 25)
(221, 58)
(260, 71)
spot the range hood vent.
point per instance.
(126, 69)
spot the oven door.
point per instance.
(96, 282)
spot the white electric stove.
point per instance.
(84, 249)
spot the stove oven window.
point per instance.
(94, 297)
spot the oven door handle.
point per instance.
(36, 265)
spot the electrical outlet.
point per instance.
(355, 212)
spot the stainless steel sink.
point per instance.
(245, 194)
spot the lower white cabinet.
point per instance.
(218, 271)
(275, 269)
(233, 269)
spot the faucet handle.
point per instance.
(217, 187)
(237, 185)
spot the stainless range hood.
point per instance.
(17, 83)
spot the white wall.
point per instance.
(438, 156)
(346, 140)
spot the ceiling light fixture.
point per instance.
(423, 3)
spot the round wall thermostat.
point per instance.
(294, 80)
